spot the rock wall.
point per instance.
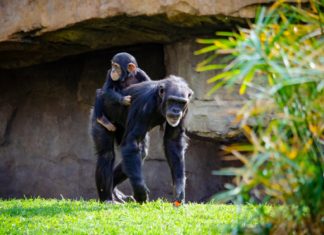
(210, 116)
(39, 31)
(24, 15)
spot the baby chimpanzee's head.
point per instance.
(121, 65)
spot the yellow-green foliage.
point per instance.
(280, 59)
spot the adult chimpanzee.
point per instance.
(153, 103)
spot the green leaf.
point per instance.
(260, 16)
(248, 78)
(227, 195)
(205, 41)
(226, 34)
(205, 50)
(210, 67)
(223, 75)
(246, 70)
(216, 87)
(207, 60)
(227, 171)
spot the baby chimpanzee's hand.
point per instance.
(127, 100)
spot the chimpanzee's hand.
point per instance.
(127, 100)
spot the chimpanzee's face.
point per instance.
(119, 66)
(175, 100)
(115, 71)
(175, 109)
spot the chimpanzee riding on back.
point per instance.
(123, 73)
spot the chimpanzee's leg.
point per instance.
(119, 175)
(104, 145)
(145, 147)
(132, 166)
(174, 147)
(104, 179)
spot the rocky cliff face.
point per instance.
(39, 31)
(54, 54)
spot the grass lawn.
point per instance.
(44, 216)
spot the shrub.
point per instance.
(280, 58)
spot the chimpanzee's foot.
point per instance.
(140, 193)
(120, 197)
(105, 123)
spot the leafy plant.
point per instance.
(279, 61)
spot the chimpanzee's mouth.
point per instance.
(173, 121)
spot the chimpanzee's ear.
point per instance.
(161, 91)
(190, 94)
(131, 67)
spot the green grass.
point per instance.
(43, 216)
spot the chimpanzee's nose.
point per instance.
(175, 110)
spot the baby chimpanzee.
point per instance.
(123, 73)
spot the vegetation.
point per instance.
(40, 216)
(279, 61)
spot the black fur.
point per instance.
(153, 103)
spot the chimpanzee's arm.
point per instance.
(142, 76)
(174, 146)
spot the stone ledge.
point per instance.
(212, 120)
(43, 15)
(37, 31)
